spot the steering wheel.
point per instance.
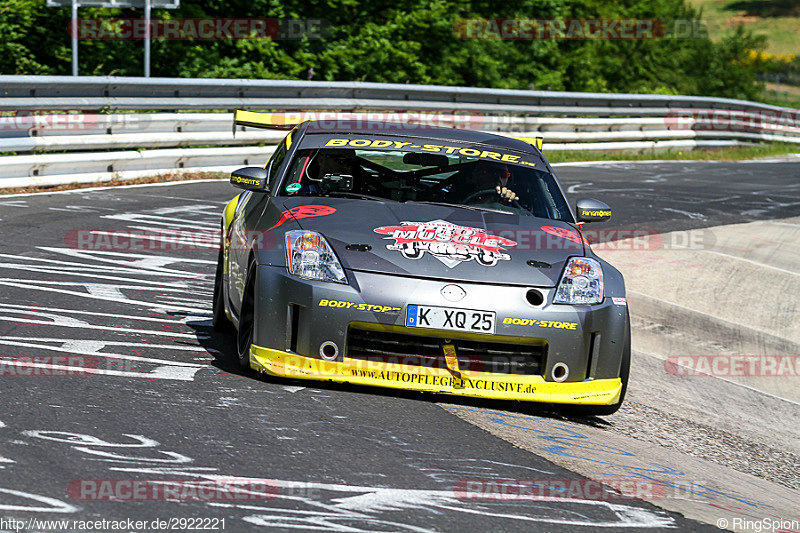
(478, 194)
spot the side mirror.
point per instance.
(591, 210)
(250, 178)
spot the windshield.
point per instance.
(402, 176)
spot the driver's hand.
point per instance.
(506, 194)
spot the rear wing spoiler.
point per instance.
(535, 141)
(264, 121)
(270, 121)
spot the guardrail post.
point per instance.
(74, 27)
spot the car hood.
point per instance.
(442, 242)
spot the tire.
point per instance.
(624, 373)
(247, 319)
(219, 318)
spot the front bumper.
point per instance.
(436, 380)
(296, 318)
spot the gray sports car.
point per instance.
(420, 258)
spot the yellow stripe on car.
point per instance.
(435, 380)
(267, 121)
(230, 209)
(538, 142)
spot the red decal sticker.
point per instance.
(563, 233)
(449, 243)
(304, 211)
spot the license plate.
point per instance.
(451, 318)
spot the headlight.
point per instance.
(581, 282)
(308, 255)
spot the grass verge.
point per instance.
(734, 153)
(161, 178)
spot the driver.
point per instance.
(310, 173)
(484, 176)
(337, 163)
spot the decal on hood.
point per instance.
(304, 211)
(573, 236)
(449, 243)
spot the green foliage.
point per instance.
(417, 41)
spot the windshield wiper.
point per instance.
(348, 194)
(472, 207)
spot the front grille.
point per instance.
(426, 350)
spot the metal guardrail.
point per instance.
(94, 92)
(94, 136)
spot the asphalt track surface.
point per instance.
(110, 373)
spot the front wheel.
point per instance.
(244, 338)
(219, 318)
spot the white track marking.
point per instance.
(153, 306)
(67, 322)
(87, 284)
(573, 189)
(66, 267)
(81, 347)
(87, 274)
(146, 261)
(51, 504)
(82, 439)
(3, 459)
(81, 209)
(193, 209)
(205, 243)
(133, 267)
(168, 373)
(168, 320)
(693, 216)
(60, 341)
(175, 458)
(762, 265)
(169, 222)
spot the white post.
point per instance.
(74, 26)
(146, 38)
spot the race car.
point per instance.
(420, 258)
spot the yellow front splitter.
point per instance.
(436, 380)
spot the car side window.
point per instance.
(276, 160)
